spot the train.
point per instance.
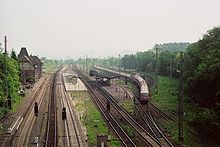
(142, 93)
(140, 90)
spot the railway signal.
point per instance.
(36, 114)
(64, 113)
(36, 109)
(108, 106)
(9, 102)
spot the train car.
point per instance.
(143, 92)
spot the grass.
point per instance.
(91, 118)
(130, 130)
(167, 98)
(128, 105)
(167, 101)
(17, 101)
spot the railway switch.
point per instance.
(36, 109)
(64, 113)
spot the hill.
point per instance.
(174, 47)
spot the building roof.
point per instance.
(23, 52)
(24, 57)
(36, 61)
(33, 60)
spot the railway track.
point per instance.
(148, 120)
(145, 113)
(156, 110)
(125, 139)
(151, 124)
(51, 129)
(71, 128)
(149, 140)
(144, 134)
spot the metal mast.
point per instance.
(156, 70)
(181, 99)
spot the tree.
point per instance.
(202, 69)
(13, 55)
(13, 82)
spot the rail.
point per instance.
(51, 129)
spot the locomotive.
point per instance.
(143, 92)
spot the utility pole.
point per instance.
(181, 98)
(171, 66)
(156, 70)
(6, 71)
(86, 64)
(92, 58)
(119, 56)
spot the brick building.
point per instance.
(31, 67)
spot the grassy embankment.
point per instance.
(91, 118)
(167, 101)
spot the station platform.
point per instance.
(73, 83)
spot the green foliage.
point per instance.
(12, 78)
(168, 94)
(202, 69)
(168, 63)
(174, 47)
(199, 115)
(13, 55)
(49, 65)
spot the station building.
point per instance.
(31, 67)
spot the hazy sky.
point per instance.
(75, 28)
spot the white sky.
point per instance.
(76, 28)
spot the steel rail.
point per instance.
(51, 129)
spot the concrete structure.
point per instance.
(31, 67)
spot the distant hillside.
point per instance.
(174, 47)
